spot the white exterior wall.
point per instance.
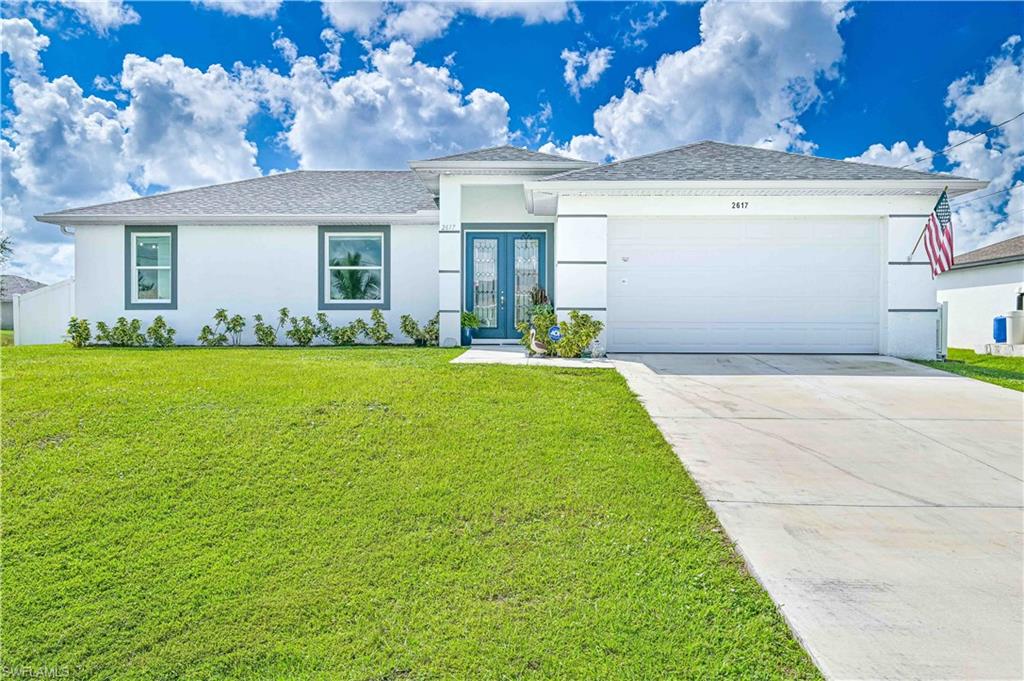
(907, 315)
(976, 295)
(248, 270)
(41, 316)
(581, 267)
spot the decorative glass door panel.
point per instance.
(526, 253)
(502, 268)
(484, 300)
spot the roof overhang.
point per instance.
(430, 172)
(418, 218)
(542, 195)
(984, 263)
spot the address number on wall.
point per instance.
(739, 205)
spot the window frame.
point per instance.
(324, 300)
(131, 268)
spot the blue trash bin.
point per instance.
(999, 329)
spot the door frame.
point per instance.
(548, 250)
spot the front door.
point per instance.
(501, 270)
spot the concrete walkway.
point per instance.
(514, 354)
(878, 501)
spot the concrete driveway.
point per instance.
(879, 502)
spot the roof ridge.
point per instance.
(631, 158)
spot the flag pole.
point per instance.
(921, 235)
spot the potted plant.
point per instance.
(470, 322)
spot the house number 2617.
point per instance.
(736, 205)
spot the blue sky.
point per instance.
(177, 94)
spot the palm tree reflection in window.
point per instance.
(354, 284)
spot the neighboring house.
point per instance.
(981, 285)
(12, 285)
(708, 247)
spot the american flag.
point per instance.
(938, 237)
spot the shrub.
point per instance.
(347, 334)
(542, 317)
(159, 334)
(302, 331)
(378, 331)
(79, 333)
(428, 334)
(410, 328)
(432, 330)
(124, 334)
(214, 336)
(265, 333)
(577, 334)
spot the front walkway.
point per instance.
(514, 354)
(878, 501)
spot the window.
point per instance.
(151, 267)
(354, 264)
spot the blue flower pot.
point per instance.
(467, 336)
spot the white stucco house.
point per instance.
(981, 285)
(707, 247)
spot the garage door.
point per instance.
(744, 285)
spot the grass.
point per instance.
(358, 514)
(6, 337)
(1007, 372)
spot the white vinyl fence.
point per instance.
(41, 316)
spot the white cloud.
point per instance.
(593, 63)
(103, 15)
(289, 50)
(21, 42)
(896, 156)
(330, 61)
(393, 110)
(415, 22)
(748, 80)
(246, 8)
(637, 27)
(353, 17)
(186, 127)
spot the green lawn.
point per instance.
(358, 513)
(6, 337)
(1005, 371)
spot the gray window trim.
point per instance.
(129, 234)
(322, 232)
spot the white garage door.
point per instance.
(744, 285)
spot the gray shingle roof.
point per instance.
(300, 192)
(1011, 249)
(12, 284)
(733, 162)
(503, 153)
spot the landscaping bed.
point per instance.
(358, 513)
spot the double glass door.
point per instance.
(502, 268)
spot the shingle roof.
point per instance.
(503, 153)
(1011, 249)
(300, 192)
(732, 162)
(12, 284)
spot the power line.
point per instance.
(954, 146)
(985, 196)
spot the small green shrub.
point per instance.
(378, 331)
(432, 330)
(160, 335)
(577, 334)
(347, 334)
(124, 334)
(214, 336)
(79, 333)
(266, 334)
(302, 331)
(542, 317)
(409, 328)
(428, 334)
